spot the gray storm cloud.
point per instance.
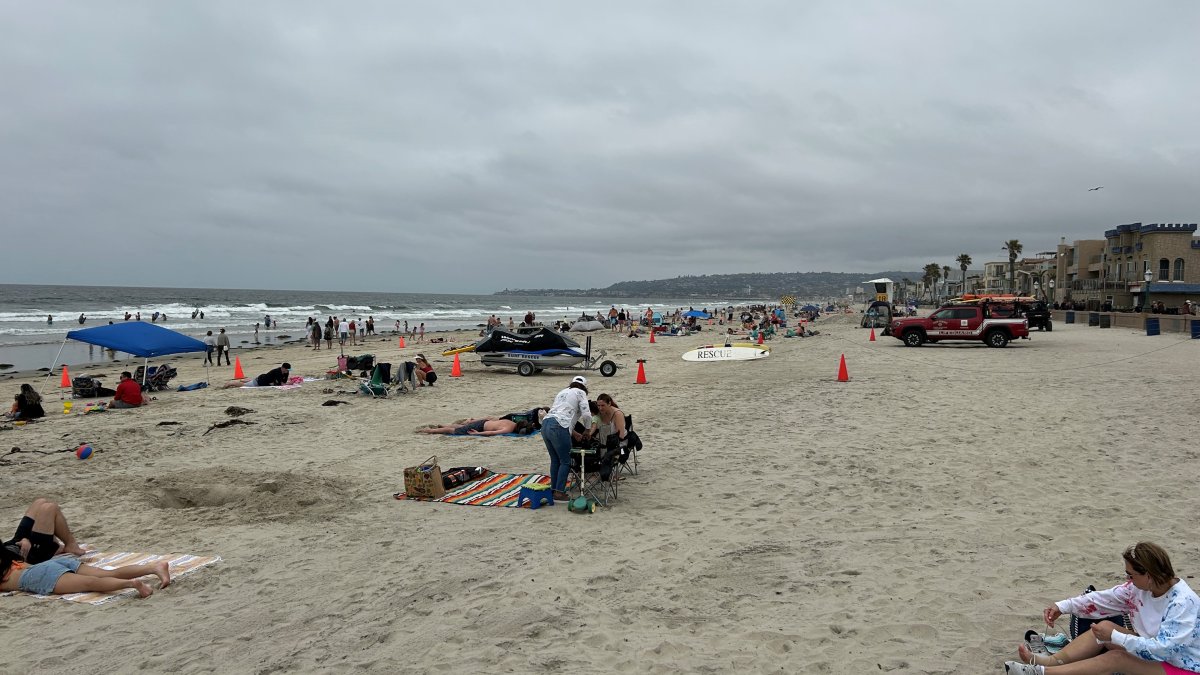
(468, 147)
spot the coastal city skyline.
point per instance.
(467, 149)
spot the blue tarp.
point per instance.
(696, 313)
(138, 338)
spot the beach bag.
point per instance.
(84, 386)
(461, 475)
(425, 480)
(1081, 625)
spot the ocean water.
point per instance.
(29, 341)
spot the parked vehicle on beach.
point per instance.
(1037, 315)
(959, 322)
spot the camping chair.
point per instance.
(406, 378)
(376, 387)
(85, 386)
(594, 471)
(160, 379)
(627, 460)
(362, 362)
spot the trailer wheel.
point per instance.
(608, 368)
(525, 369)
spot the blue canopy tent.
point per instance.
(134, 337)
(696, 313)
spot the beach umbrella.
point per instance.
(810, 308)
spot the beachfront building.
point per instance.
(1112, 272)
(995, 277)
(1037, 276)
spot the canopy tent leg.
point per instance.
(52, 365)
(145, 367)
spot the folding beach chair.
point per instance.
(406, 378)
(594, 471)
(376, 387)
(627, 460)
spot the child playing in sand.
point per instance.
(67, 575)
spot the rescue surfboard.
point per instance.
(723, 353)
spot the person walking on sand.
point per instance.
(223, 347)
(343, 332)
(421, 332)
(210, 343)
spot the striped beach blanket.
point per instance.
(181, 565)
(497, 489)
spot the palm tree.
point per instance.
(930, 277)
(946, 279)
(964, 261)
(1014, 251)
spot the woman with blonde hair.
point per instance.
(1165, 614)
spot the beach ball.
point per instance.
(84, 451)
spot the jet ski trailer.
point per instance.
(541, 350)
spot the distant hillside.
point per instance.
(804, 285)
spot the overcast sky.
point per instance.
(472, 146)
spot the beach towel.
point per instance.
(181, 565)
(497, 489)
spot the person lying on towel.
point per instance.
(66, 574)
(483, 427)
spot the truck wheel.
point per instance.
(608, 368)
(1049, 326)
(914, 338)
(997, 338)
(525, 369)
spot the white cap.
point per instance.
(579, 379)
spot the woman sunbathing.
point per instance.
(1165, 613)
(482, 427)
(67, 575)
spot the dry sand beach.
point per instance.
(913, 520)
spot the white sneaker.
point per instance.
(1018, 668)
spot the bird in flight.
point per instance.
(1098, 187)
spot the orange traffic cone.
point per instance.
(401, 342)
(456, 370)
(760, 337)
(872, 335)
(66, 378)
(651, 334)
(237, 368)
(641, 376)
(843, 374)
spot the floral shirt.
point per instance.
(1168, 626)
